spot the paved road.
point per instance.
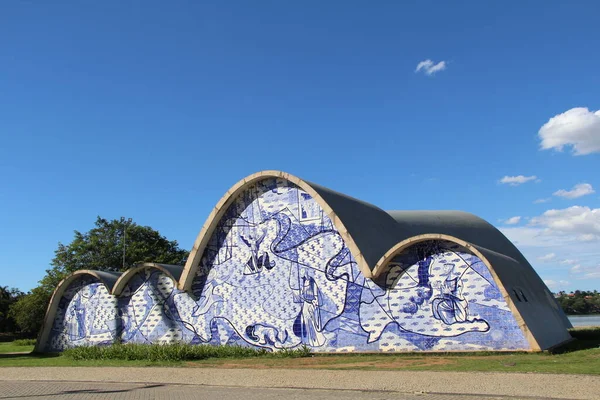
(221, 383)
(129, 391)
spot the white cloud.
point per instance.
(429, 67)
(536, 243)
(581, 189)
(517, 180)
(547, 257)
(568, 261)
(561, 231)
(592, 275)
(578, 127)
(588, 237)
(513, 220)
(581, 272)
(554, 285)
(575, 269)
(540, 201)
(527, 236)
(555, 240)
(577, 220)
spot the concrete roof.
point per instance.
(113, 281)
(375, 236)
(464, 225)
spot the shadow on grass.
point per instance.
(28, 355)
(584, 339)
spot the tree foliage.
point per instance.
(28, 312)
(100, 249)
(580, 302)
(7, 298)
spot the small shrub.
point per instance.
(175, 352)
(585, 333)
(7, 337)
(585, 338)
(24, 342)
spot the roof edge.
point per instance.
(221, 207)
(172, 271)
(483, 255)
(108, 279)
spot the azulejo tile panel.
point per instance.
(86, 315)
(277, 274)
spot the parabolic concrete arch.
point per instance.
(384, 265)
(531, 302)
(171, 271)
(105, 280)
(107, 286)
(368, 230)
(282, 262)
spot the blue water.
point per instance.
(585, 320)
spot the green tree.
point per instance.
(580, 306)
(28, 312)
(7, 298)
(102, 249)
(580, 302)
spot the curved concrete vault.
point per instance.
(282, 262)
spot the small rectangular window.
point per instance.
(523, 296)
(516, 295)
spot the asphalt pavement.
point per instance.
(265, 384)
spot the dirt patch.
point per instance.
(399, 363)
(329, 362)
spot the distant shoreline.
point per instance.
(584, 320)
(583, 315)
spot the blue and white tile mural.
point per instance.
(277, 274)
(86, 315)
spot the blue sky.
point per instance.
(152, 110)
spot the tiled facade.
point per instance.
(277, 274)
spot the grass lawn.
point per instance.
(61, 361)
(11, 347)
(582, 356)
(576, 362)
(580, 362)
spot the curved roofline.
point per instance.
(382, 265)
(108, 279)
(467, 226)
(113, 281)
(219, 210)
(172, 271)
(404, 244)
(373, 237)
